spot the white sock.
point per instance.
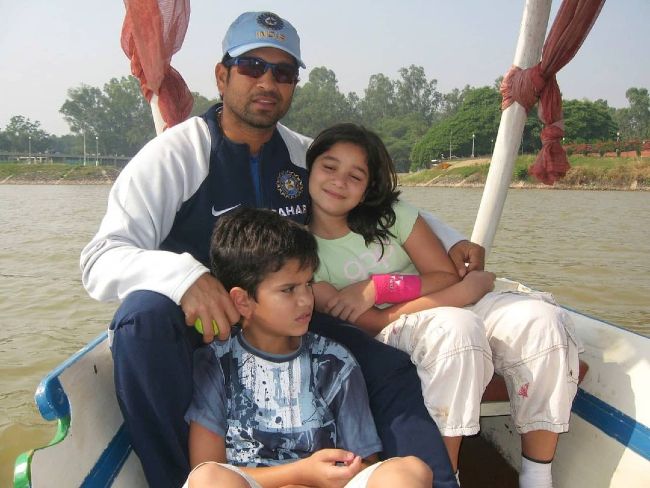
(458, 477)
(535, 475)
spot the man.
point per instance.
(151, 251)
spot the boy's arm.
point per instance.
(324, 468)
(317, 470)
(205, 445)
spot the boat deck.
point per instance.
(481, 466)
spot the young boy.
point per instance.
(275, 405)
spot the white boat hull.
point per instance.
(608, 444)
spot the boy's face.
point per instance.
(282, 311)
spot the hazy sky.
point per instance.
(49, 46)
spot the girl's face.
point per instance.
(338, 179)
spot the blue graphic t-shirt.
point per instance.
(273, 409)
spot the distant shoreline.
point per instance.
(595, 186)
(635, 176)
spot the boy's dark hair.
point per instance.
(247, 244)
(374, 215)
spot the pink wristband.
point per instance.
(396, 288)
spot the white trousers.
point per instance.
(535, 349)
(525, 337)
(453, 359)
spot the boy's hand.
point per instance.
(467, 252)
(477, 284)
(353, 300)
(208, 300)
(330, 468)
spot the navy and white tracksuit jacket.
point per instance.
(169, 197)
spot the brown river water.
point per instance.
(589, 248)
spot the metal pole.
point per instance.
(473, 136)
(84, 148)
(96, 150)
(528, 53)
(29, 159)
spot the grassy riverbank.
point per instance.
(587, 172)
(56, 174)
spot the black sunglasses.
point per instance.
(256, 67)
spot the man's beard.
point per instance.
(265, 120)
(260, 120)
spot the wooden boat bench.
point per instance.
(495, 399)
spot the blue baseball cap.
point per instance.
(252, 30)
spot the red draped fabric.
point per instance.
(153, 31)
(526, 86)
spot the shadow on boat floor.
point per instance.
(481, 466)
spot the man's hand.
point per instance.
(208, 300)
(467, 252)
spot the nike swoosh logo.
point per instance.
(216, 213)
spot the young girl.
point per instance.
(376, 250)
(366, 235)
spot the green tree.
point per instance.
(452, 101)
(587, 121)
(4, 141)
(319, 104)
(21, 134)
(634, 122)
(479, 114)
(118, 116)
(415, 94)
(83, 109)
(400, 135)
(201, 104)
(126, 123)
(67, 144)
(379, 100)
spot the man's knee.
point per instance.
(149, 316)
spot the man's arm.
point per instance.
(466, 255)
(124, 256)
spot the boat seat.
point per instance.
(495, 399)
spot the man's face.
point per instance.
(255, 102)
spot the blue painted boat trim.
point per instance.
(613, 422)
(50, 398)
(110, 462)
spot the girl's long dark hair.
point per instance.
(374, 216)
